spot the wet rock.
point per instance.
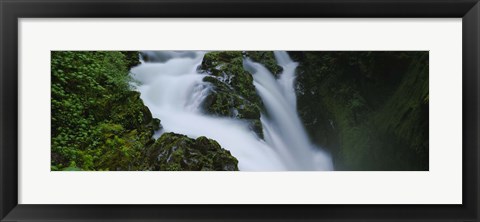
(266, 58)
(233, 93)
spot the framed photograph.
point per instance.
(231, 110)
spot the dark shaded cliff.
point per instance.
(369, 109)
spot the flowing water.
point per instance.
(172, 88)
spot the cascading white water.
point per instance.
(283, 128)
(173, 90)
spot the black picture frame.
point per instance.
(12, 10)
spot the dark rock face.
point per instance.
(369, 109)
(172, 152)
(233, 92)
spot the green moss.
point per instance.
(178, 152)
(234, 94)
(267, 58)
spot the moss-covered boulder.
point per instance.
(266, 58)
(233, 93)
(137, 116)
(173, 152)
(369, 109)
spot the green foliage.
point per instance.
(98, 123)
(234, 94)
(173, 152)
(370, 109)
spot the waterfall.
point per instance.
(173, 90)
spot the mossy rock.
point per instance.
(132, 113)
(176, 152)
(132, 58)
(266, 58)
(233, 93)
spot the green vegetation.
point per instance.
(99, 123)
(370, 109)
(234, 93)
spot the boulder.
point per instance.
(176, 152)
